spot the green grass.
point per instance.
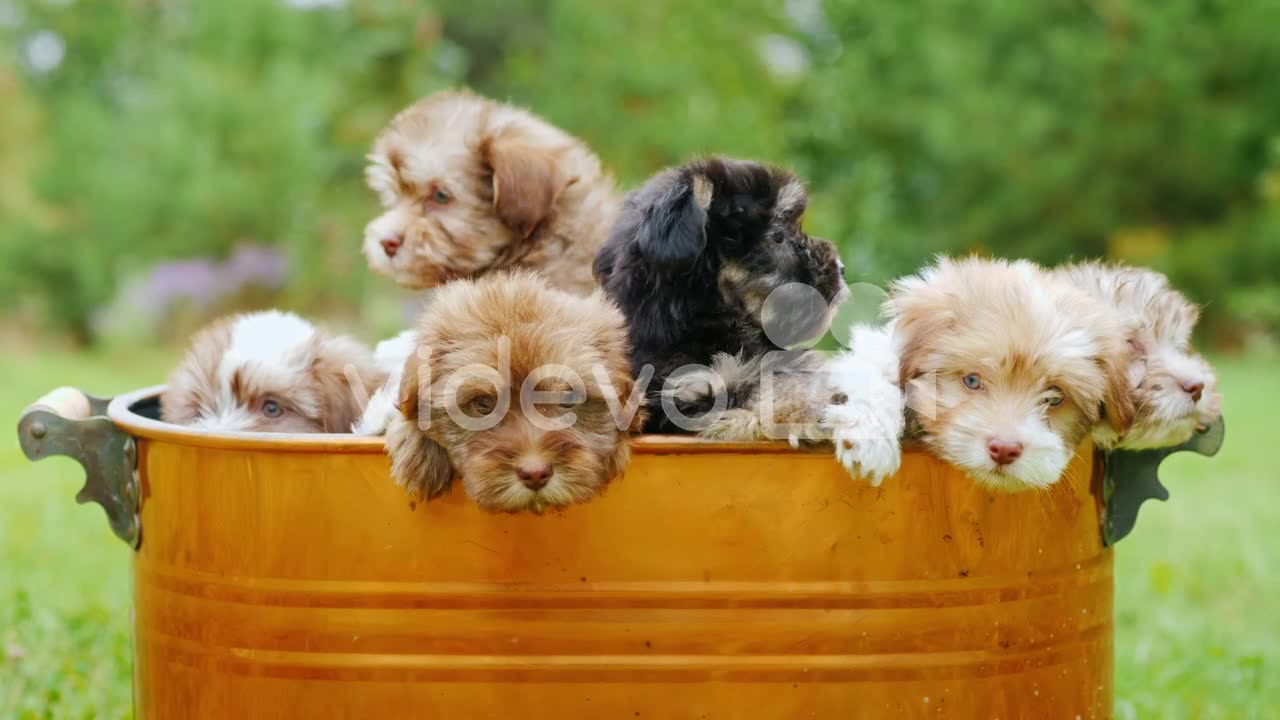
(1197, 584)
(1197, 631)
(64, 582)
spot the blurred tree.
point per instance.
(179, 129)
(1037, 129)
(162, 129)
(650, 84)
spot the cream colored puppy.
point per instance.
(1006, 369)
(1174, 389)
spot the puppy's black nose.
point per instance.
(1004, 452)
(391, 246)
(534, 475)
(1194, 388)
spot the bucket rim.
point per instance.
(121, 413)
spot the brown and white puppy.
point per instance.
(469, 185)
(270, 371)
(523, 390)
(1008, 368)
(1174, 389)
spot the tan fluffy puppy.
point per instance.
(523, 390)
(469, 185)
(1008, 368)
(270, 371)
(1174, 389)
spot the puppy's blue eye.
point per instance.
(972, 381)
(440, 197)
(1055, 396)
(272, 409)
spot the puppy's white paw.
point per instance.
(865, 416)
(391, 356)
(866, 443)
(379, 413)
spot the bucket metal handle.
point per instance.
(69, 422)
(1132, 477)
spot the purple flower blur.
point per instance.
(203, 282)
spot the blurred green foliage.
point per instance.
(1066, 128)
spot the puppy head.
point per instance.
(269, 372)
(1174, 393)
(739, 222)
(463, 183)
(516, 381)
(1174, 390)
(1008, 369)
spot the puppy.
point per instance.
(1174, 389)
(693, 258)
(523, 390)
(1007, 368)
(270, 371)
(468, 185)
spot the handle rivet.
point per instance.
(39, 430)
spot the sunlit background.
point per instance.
(162, 162)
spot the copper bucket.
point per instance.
(287, 576)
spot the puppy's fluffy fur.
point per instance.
(390, 356)
(530, 338)
(865, 418)
(1174, 389)
(270, 372)
(691, 261)
(774, 396)
(469, 185)
(1002, 355)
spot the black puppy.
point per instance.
(691, 260)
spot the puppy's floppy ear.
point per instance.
(673, 228)
(921, 315)
(346, 375)
(1117, 400)
(419, 464)
(526, 181)
(407, 397)
(615, 464)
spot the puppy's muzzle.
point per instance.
(1194, 388)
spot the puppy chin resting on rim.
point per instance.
(1174, 389)
(523, 391)
(1007, 368)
